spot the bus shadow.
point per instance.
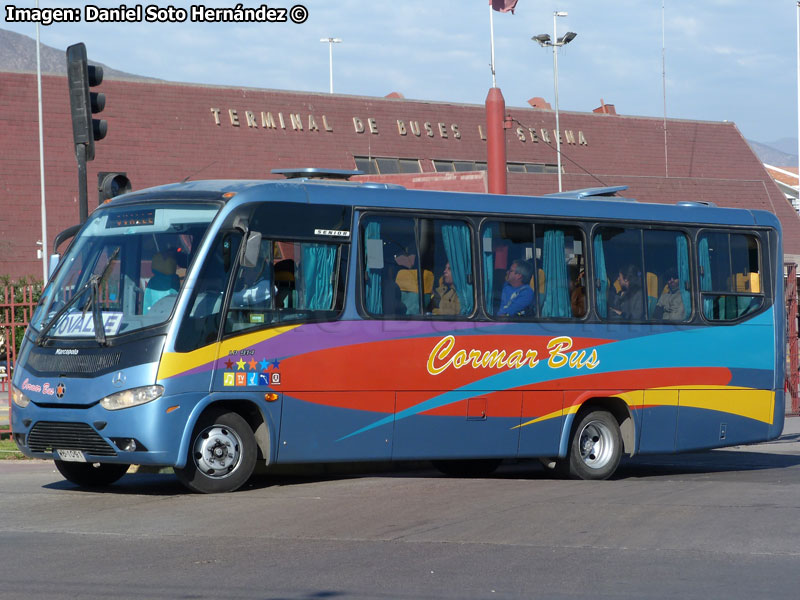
(142, 484)
(709, 462)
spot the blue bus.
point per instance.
(213, 326)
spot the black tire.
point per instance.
(595, 448)
(467, 468)
(91, 474)
(222, 454)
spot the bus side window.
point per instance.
(253, 290)
(730, 275)
(447, 271)
(511, 283)
(619, 278)
(417, 266)
(390, 252)
(200, 325)
(667, 276)
(560, 279)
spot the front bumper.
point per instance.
(104, 435)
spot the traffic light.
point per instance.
(84, 103)
(112, 184)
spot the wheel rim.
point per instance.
(596, 444)
(217, 451)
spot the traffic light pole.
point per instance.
(83, 200)
(84, 104)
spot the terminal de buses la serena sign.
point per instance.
(405, 128)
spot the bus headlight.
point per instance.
(19, 398)
(132, 397)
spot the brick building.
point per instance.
(164, 132)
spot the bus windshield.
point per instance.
(124, 270)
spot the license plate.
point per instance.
(71, 455)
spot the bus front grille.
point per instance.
(46, 437)
(77, 364)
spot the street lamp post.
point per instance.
(544, 40)
(331, 41)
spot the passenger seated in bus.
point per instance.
(628, 303)
(408, 283)
(577, 293)
(163, 283)
(446, 300)
(391, 300)
(670, 304)
(517, 296)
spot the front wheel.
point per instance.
(595, 448)
(222, 454)
(87, 474)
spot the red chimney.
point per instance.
(606, 109)
(538, 102)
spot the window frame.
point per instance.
(766, 281)
(535, 223)
(304, 315)
(364, 213)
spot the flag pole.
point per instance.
(664, 84)
(491, 37)
(41, 153)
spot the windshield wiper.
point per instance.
(97, 316)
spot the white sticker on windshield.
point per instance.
(82, 324)
(332, 232)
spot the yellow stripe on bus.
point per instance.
(758, 405)
(176, 363)
(744, 402)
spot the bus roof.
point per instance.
(575, 204)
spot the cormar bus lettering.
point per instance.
(442, 357)
(27, 386)
(47, 389)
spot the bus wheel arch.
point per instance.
(600, 432)
(250, 412)
(226, 442)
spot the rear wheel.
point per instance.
(91, 474)
(222, 454)
(467, 468)
(595, 448)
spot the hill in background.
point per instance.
(778, 153)
(18, 55)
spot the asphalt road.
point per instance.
(722, 524)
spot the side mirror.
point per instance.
(51, 267)
(252, 249)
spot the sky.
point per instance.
(726, 60)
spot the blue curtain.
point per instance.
(556, 295)
(601, 276)
(319, 261)
(457, 247)
(705, 277)
(374, 295)
(683, 273)
(488, 270)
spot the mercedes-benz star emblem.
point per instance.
(119, 379)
